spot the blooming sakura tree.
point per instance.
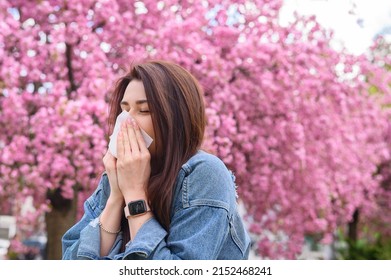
(289, 115)
(53, 114)
(379, 78)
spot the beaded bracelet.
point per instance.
(106, 230)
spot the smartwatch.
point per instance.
(135, 208)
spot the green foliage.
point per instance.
(365, 249)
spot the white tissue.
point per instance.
(117, 127)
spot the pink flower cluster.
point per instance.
(293, 118)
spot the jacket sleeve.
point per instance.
(82, 240)
(189, 239)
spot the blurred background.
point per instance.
(298, 105)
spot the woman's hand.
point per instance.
(110, 164)
(133, 163)
(113, 211)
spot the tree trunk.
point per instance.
(58, 221)
(352, 233)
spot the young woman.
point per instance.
(170, 200)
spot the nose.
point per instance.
(131, 114)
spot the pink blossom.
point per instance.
(303, 136)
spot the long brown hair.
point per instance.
(175, 100)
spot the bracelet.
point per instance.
(106, 230)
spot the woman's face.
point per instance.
(135, 102)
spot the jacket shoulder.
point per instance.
(205, 161)
(207, 177)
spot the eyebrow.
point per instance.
(138, 102)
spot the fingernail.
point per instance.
(134, 124)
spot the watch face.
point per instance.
(137, 207)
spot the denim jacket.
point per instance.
(205, 223)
